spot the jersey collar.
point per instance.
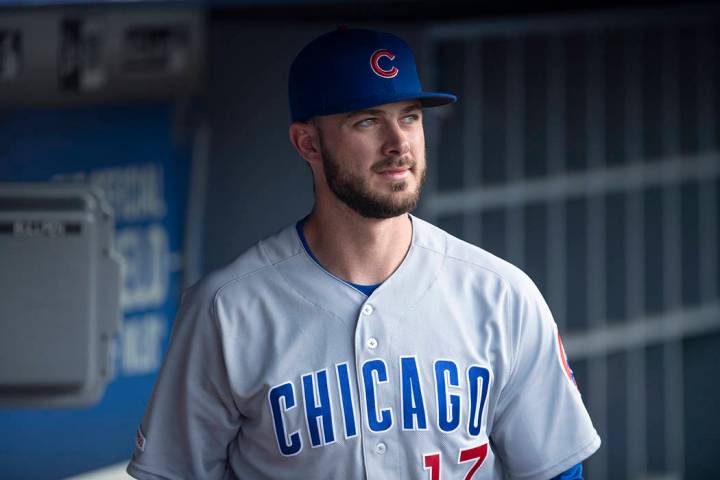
(395, 297)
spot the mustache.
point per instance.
(393, 162)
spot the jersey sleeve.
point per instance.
(541, 426)
(191, 418)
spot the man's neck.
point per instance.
(358, 249)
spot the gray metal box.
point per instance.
(59, 294)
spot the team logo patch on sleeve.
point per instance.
(140, 439)
(564, 360)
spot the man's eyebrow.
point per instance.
(375, 111)
(413, 107)
(367, 111)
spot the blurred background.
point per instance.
(585, 149)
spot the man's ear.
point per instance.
(304, 137)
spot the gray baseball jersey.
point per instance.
(451, 369)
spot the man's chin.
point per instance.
(383, 215)
(388, 207)
(390, 188)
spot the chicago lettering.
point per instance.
(458, 398)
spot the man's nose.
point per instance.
(396, 141)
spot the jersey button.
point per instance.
(372, 343)
(368, 309)
(380, 448)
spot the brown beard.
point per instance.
(354, 192)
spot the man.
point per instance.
(363, 342)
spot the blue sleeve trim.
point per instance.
(575, 473)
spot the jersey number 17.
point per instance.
(431, 461)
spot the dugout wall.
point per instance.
(585, 151)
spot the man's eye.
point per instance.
(411, 118)
(368, 122)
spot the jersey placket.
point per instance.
(375, 381)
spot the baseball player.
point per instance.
(363, 342)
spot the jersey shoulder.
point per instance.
(252, 265)
(464, 258)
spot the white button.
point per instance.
(368, 309)
(372, 343)
(380, 448)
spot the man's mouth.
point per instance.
(394, 168)
(395, 173)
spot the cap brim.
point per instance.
(432, 99)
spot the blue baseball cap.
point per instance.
(351, 69)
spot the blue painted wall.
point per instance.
(130, 151)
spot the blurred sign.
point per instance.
(81, 63)
(157, 50)
(100, 53)
(132, 154)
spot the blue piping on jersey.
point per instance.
(365, 289)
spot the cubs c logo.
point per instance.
(375, 64)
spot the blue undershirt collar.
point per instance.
(366, 289)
